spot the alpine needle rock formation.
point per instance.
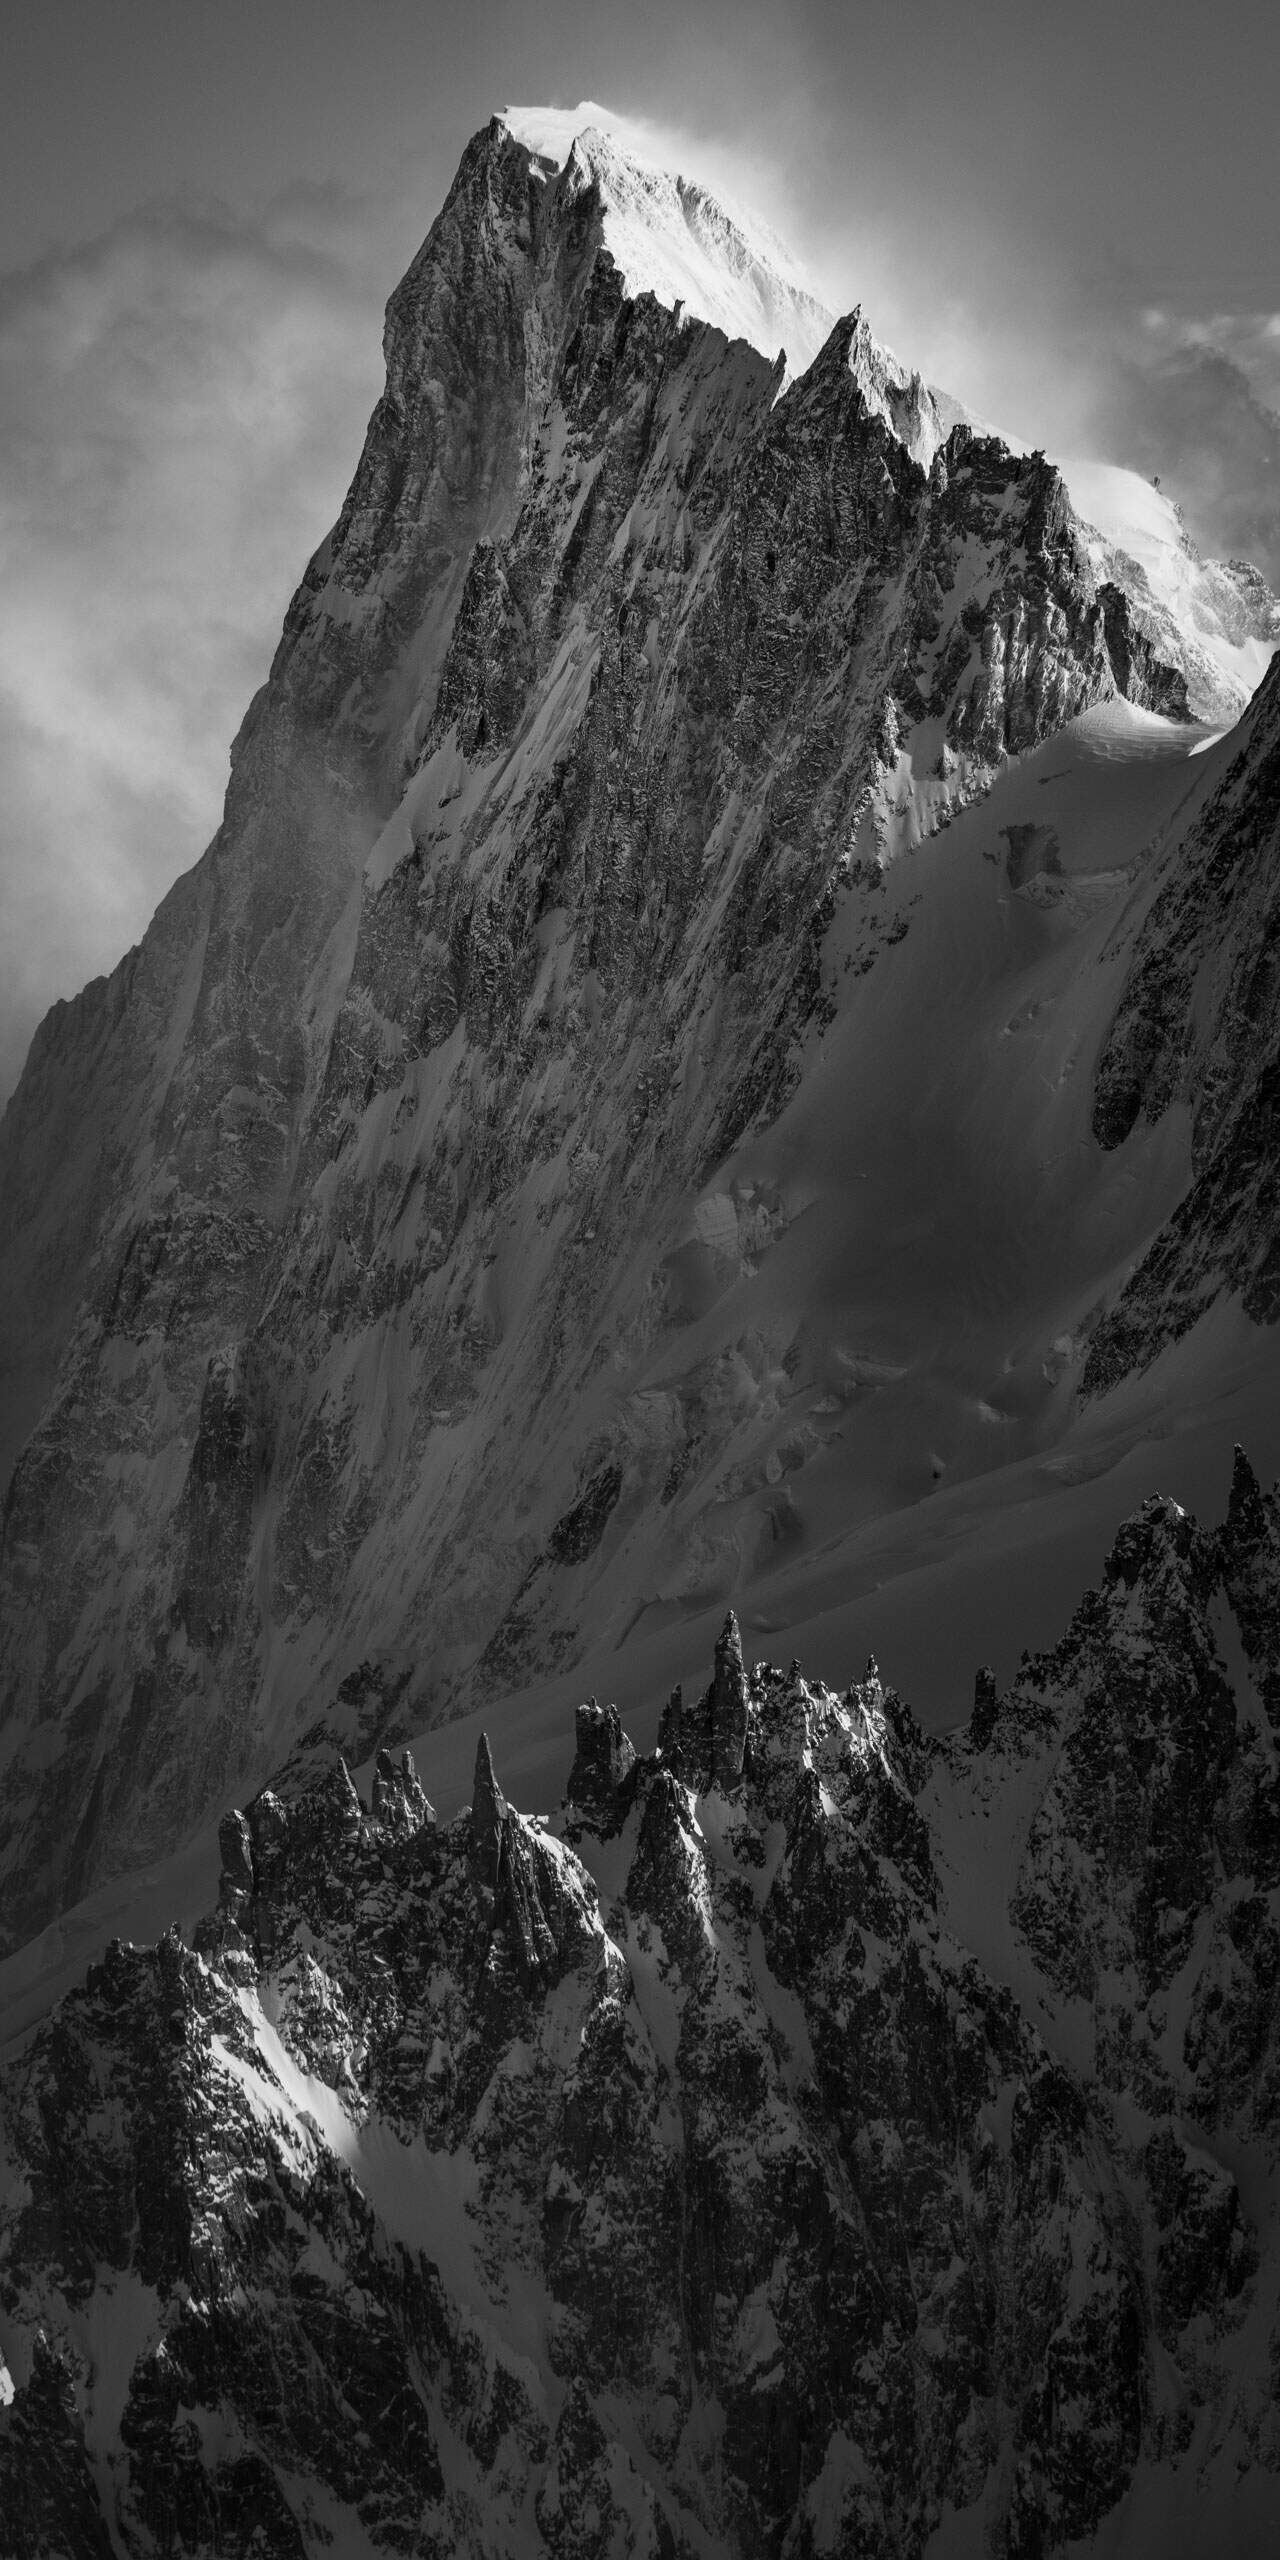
(729, 1034)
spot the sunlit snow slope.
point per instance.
(672, 239)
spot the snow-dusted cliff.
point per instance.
(1216, 619)
(610, 1118)
(811, 2139)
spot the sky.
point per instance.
(1067, 216)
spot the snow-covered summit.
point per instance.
(672, 238)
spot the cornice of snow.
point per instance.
(670, 237)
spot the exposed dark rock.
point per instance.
(728, 1708)
(49, 2499)
(1140, 672)
(1249, 1561)
(578, 1534)
(982, 1720)
(598, 1793)
(488, 1815)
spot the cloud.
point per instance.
(181, 402)
(1250, 340)
(1195, 400)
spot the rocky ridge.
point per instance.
(813, 2138)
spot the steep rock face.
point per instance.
(1197, 1026)
(851, 2139)
(654, 647)
(1145, 1881)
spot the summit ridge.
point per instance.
(1216, 620)
(670, 237)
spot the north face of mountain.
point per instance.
(811, 2138)
(397, 1230)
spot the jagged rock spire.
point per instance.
(671, 1725)
(728, 1708)
(982, 1720)
(400, 1802)
(1246, 1515)
(604, 1757)
(488, 1813)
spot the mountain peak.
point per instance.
(889, 389)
